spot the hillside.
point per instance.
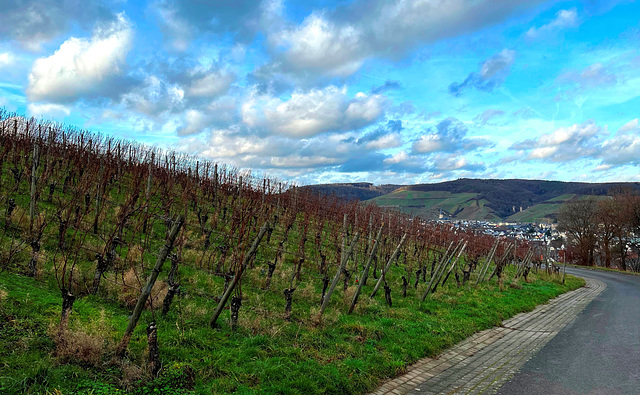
(478, 199)
(138, 271)
(352, 190)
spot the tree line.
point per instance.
(603, 231)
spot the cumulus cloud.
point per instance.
(342, 151)
(273, 152)
(449, 135)
(83, 67)
(452, 162)
(564, 144)
(492, 74)
(564, 19)
(210, 84)
(624, 147)
(218, 114)
(178, 85)
(314, 112)
(384, 137)
(323, 46)
(154, 96)
(6, 59)
(182, 20)
(399, 157)
(47, 110)
(337, 42)
(35, 22)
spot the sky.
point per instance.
(323, 91)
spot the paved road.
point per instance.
(482, 363)
(597, 353)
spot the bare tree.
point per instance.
(578, 219)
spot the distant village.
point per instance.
(536, 233)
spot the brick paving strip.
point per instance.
(484, 361)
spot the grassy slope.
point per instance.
(428, 204)
(345, 354)
(546, 212)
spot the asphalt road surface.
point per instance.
(597, 353)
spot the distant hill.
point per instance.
(476, 199)
(353, 190)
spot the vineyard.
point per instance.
(133, 269)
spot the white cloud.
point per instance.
(391, 140)
(47, 110)
(154, 96)
(629, 126)
(311, 113)
(400, 157)
(564, 144)
(624, 147)
(484, 118)
(320, 45)
(6, 59)
(34, 22)
(336, 43)
(564, 19)
(195, 122)
(449, 135)
(427, 144)
(454, 162)
(213, 84)
(82, 67)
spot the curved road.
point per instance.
(597, 353)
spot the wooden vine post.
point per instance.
(343, 263)
(485, 267)
(386, 268)
(365, 273)
(238, 275)
(34, 180)
(453, 265)
(435, 274)
(146, 291)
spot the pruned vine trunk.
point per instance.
(146, 291)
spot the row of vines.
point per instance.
(137, 225)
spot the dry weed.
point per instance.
(134, 255)
(307, 292)
(131, 375)
(78, 346)
(347, 297)
(132, 285)
(19, 218)
(251, 324)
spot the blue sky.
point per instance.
(394, 91)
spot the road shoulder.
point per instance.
(484, 361)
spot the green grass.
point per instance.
(344, 354)
(539, 213)
(547, 211)
(429, 203)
